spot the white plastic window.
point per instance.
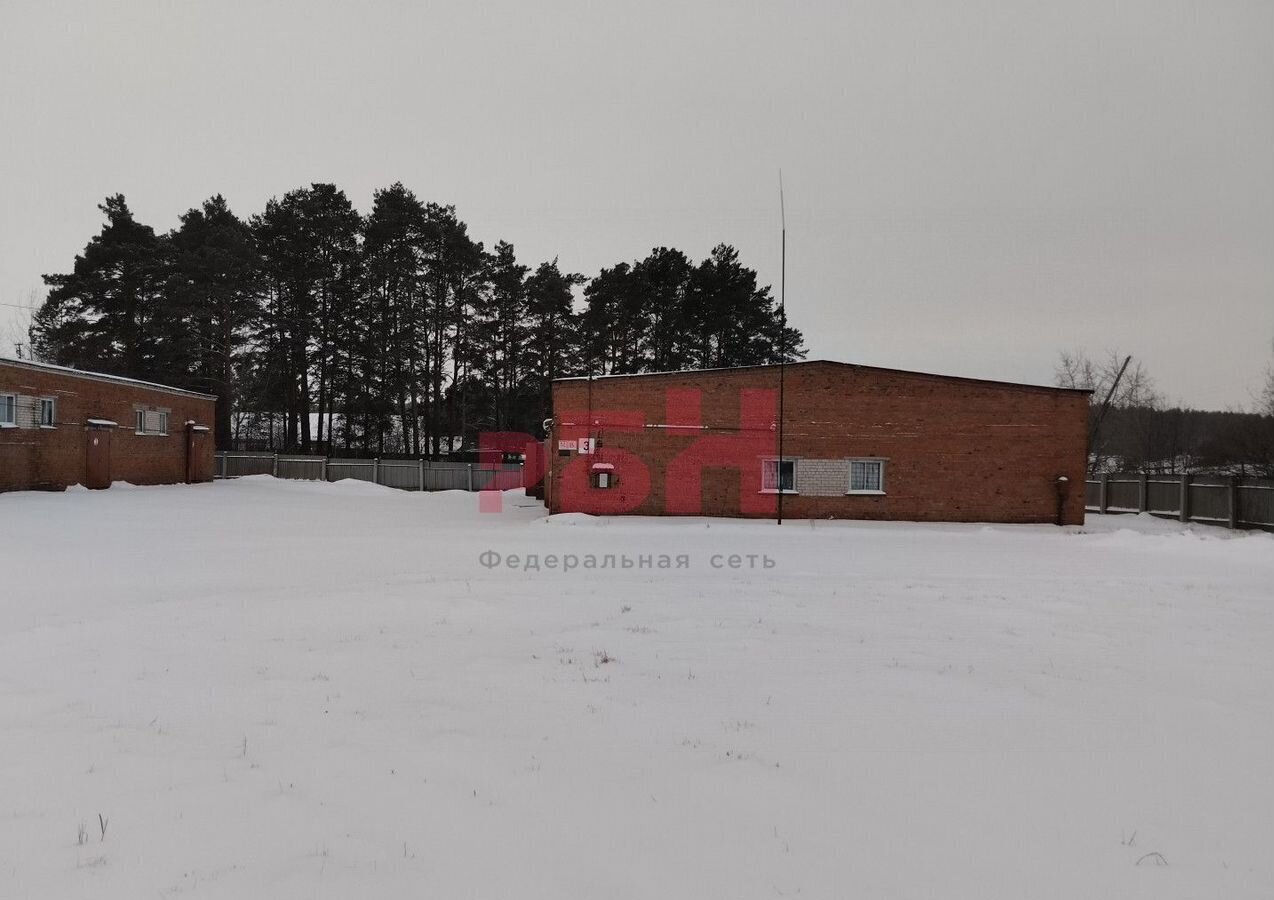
(778, 475)
(152, 421)
(866, 476)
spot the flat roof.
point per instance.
(832, 362)
(100, 376)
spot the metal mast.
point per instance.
(778, 475)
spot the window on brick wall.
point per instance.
(866, 476)
(8, 411)
(778, 475)
(47, 411)
(603, 475)
(151, 421)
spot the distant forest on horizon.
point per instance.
(391, 332)
(1140, 432)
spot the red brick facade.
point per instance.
(37, 456)
(693, 443)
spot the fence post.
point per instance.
(323, 470)
(376, 470)
(421, 469)
(1233, 493)
(274, 466)
(1143, 493)
(1101, 497)
(470, 476)
(1185, 498)
(221, 464)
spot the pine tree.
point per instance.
(614, 325)
(108, 314)
(552, 349)
(309, 242)
(730, 320)
(454, 269)
(467, 272)
(500, 333)
(665, 314)
(663, 280)
(397, 347)
(213, 287)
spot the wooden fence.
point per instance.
(1232, 502)
(407, 474)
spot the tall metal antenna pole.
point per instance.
(782, 338)
(1105, 405)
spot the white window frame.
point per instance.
(12, 403)
(139, 421)
(53, 412)
(777, 481)
(882, 465)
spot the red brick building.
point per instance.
(61, 426)
(857, 443)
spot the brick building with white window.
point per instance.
(858, 442)
(62, 426)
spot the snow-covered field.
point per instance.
(290, 690)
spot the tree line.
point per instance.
(1140, 432)
(322, 329)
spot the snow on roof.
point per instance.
(602, 466)
(104, 423)
(101, 376)
(828, 362)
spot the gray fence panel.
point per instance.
(501, 478)
(1122, 494)
(304, 468)
(361, 469)
(1164, 496)
(1210, 501)
(237, 465)
(400, 474)
(448, 477)
(395, 473)
(1256, 504)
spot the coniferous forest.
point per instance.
(321, 329)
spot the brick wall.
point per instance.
(692, 443)
(55, 457)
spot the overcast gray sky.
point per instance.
(971, 186)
